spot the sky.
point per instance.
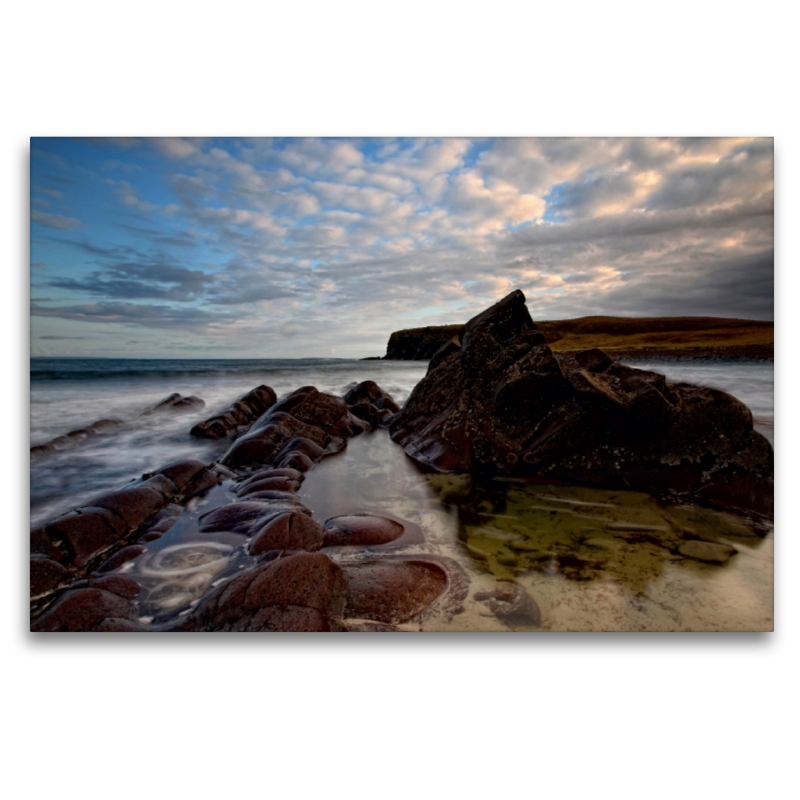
(287, 248)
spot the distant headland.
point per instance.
(623, 337)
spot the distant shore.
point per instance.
(682, 338)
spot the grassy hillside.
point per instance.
(669, 335)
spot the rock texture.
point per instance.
(370, 403)
(69, 440)
(296, 432)
(501, 402)
(238, 416)
(300, 592)
(95, 533)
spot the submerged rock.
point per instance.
(175, 402)
(502, 403)
(711, 552)
(68, 440)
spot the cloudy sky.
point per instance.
(210, 248)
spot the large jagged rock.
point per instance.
(502, 403)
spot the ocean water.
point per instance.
(71, 393)
(589, 559)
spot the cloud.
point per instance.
(59, 338)
(348, 238)
(153, 277)
(56, 221)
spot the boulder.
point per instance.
(392, 591)
(370, 403)
(46, 573)
(295, 432)
(501, 403)
(711, 552)
(238, 416)
(288, 531)
(361, 529)
(300, 592)
(83, 610)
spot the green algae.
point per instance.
(584, 534)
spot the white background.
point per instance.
(601, 715)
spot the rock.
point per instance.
(711, 552)
(74, 437)
(288, 531)
(118, 625)
(305, 591)
(134, 505)
(370, 403)
(46, 574)
(83, 610)
(503, 404)
(238, 416)
(175, 402)
(120, 557)
(361, 529)
(294, 432)
(121, 585)
(293, 475)
(392, 591)
(181, 473)
(83, 536)
(420, 344)
(246, 517)
(513, 605)
(268, 484)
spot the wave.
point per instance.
(79, 369)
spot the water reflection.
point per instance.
(591, 559)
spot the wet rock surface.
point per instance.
(370, 403)
(100, 534)
(392, 591)
(296, 432)
(69, 440)
(710, 552)
(503, 403)
(361, 529)
(300, 592)
(238, 416)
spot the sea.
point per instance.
(533, 557)
(67, 394)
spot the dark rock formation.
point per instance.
(237, 417)
(296, 432)
(300, 592)
(81, 540)
(175, 402)
(86, 609)
(392, 591)
(420, 344)
(361, 529)
(503, 403)
(69, 440)
(369, 402)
